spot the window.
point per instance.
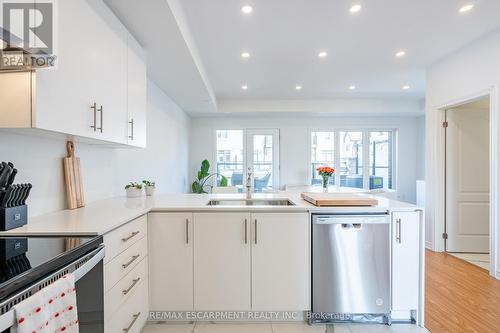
(230, 156)
(351, 159)
(381, 159)
(362, 158)
(323, 154)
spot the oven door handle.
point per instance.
(87, 267)
(8, 320)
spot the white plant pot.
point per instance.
(150, 190)
(133, 192)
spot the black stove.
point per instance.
(27, 259)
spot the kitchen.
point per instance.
(139, 97)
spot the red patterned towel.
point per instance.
(51, 310)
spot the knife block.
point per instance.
(13, 217)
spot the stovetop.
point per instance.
(26, 259)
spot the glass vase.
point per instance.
(325, 183)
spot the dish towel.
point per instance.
(51, 310)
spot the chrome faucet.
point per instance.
(249, 183)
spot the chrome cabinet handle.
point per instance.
(398, 231)
(134, 258)
(135, 233)
(255, 223)
(187, 231)
(131, 122)
(136, 316)
(94, 107)
(246, 232)
(101, 110)
(134, 282)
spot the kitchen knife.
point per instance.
(27, 193)
(6, 197)
(4, 176)
(11, 196)
(16, 195)
(12, 177)
(23, 190)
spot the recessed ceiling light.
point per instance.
(298, 87)
(247, 9)
(244, 87)
(400, 54)
(466, 8)
(322, 54)
(352, 87)
(406, 87)
(355, 8)
(245, 55)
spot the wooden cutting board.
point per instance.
(338, 199)
(73, 178)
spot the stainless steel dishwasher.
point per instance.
(351, 268)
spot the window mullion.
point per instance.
(366, 159)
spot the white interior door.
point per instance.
(467, 180)
(263, 158)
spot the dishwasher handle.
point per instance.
(354, 220)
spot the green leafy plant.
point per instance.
(148, 183)
(133, 184)
(200, 184)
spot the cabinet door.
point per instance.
(64, 94)
(170, 261)
(405, 260)
(136, 94)
(222, 261)
(280, 262)
(110, 71)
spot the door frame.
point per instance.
(438, 171)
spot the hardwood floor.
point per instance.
(460, 296)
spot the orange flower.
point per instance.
(325, 171)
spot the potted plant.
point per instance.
(200, 184)
(325, 173)
(134, 190)
(149, 186)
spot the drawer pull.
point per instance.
(134, 258)
(136, 316)
(126, 291)
(132, 235)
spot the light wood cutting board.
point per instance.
(338, 199)
(73, 178)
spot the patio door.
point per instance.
(262, 150)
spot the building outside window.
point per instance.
(230, 156)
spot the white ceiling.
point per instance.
(284, 38)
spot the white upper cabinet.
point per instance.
(137, 94)
(98, 89)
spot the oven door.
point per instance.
(88, 272)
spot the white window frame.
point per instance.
(366, 152)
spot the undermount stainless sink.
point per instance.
(250, 202)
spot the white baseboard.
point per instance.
(428, 245)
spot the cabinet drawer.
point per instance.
(116, 269)
(119, 240)
(125, 288)
(131, 316)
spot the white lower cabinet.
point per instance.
(222, 261)
(233, 261)
(405, 261)
(171, 261)
(280, 262)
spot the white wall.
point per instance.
(294, 145)
(421, 148)
(105, 170)
(469, 71)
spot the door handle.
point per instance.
(255, 224)
(101, 110)
(136, 316)
(132, 235)
(246, 232)
(398, 231)
(187, 231)
(131, 122)
(134, 258)
(134, 282)
(94, 107)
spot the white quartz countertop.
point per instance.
(103, 216)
